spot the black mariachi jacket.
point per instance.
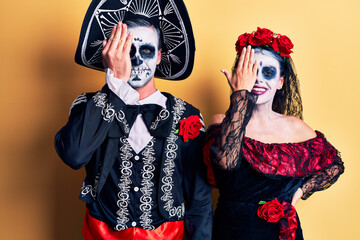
(91, 138)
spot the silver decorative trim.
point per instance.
(108, 111)
(145, 8)
(147, 174)
(120, 116)
(124, 185)
(169, 163)
(80, 99)
(163, 115)
(85, 190)
(203, 124)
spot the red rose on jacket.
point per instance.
(262, 36)
(243, 41)
(285, 46)
(271, 211)
(190, 127)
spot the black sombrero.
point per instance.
(178, 48)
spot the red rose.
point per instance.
(271, 211)
(285, 46)
(242, 42)
(275, 45)
(262, 36)
(190, 127)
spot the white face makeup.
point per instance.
(267, 79)
(143, 55)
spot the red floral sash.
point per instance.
(94, 229)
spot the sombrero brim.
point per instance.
(177, 58)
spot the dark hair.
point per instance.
(140, 22)
(287, 100)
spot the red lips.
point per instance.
(258, 90)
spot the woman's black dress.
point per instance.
(248, 172)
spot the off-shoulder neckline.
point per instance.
(310, 140)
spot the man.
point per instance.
(140, 147)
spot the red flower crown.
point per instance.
(265, 37)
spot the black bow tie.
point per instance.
(156, 118)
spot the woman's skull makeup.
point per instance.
(143, 55)
(268, 78)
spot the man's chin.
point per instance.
(137, 83)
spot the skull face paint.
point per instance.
(144, 55)
(268, 78)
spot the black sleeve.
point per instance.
(324, 179)
(91, 116)
(197, 193)
(226, 150)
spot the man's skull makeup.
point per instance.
(143, 55)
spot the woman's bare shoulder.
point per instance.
(300, 129)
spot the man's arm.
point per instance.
(198, 193)
(90, 119)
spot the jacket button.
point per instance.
(133, 224)
(136, 189)
(136, 157)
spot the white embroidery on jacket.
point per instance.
(169, 164)
(120, 116)
(85, 190)
(163, 115)
(147, 173)
(108, 111)
(124, 185)
(80, 99)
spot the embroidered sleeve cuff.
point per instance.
(121, 88)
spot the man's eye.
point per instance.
(146, 51)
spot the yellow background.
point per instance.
(39, 81)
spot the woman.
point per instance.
(263, 156)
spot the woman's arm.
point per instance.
(226, 149)
(324, 179)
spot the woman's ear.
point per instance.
(280, 83)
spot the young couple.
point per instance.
(148, 162)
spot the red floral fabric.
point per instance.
(290, 159)
(284, 159)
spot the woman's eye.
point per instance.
(269, 72)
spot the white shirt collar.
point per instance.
(155, 98)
